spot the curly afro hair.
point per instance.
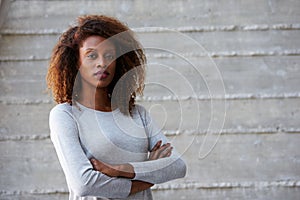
(64, 62)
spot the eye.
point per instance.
(109, 56)
(92, 55)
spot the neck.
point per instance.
(95, 99)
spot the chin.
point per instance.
(101, 84)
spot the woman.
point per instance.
(107, 145)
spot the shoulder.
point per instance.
(61, 116)
(61, 110)
(62, 107)
(62, 123)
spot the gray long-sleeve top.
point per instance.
(80, 133)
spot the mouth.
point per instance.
(101, 74)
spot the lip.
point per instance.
(101, 74)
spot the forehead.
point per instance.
(97, 42)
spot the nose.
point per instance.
(101, 66)
(101, 62)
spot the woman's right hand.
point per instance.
(160, 151)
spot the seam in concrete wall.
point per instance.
(239, 96)
(276, 130)
(253, 27)
(228, 185)
(288, 52)
(24, 137)
(178, 186)
(172, 98)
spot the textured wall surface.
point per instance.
(231, 106)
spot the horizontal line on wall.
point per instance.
(34, 192)
(14, 59)
(228, 185)
(184, 29)
(171, 133)
(170, 98)
(24, 137)
(232, 131)
(288, 52)
(241, 96)
(259, 185)
(26, 101)
(252, 27)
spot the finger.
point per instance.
(166, 144)
(163, 147)
(165, 152)
(155, 154)
(152, 155)
(93, 161)
(97, 165)
(169, 154)
(156, 146)
(96, 162)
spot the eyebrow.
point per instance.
(92, 49)
(87, 51)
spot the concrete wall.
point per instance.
(251, 85)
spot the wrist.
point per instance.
(126, 170)
(138, 186)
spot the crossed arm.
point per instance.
(127, 171)
(95, 178)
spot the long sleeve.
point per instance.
(81, 178)
(161, 170)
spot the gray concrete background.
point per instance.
(255, 45)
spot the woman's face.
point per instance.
(98, 62)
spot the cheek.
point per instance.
(112, 68)
(83, 71)
(86, 65)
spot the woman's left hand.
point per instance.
(123, 170)
(159, 151)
